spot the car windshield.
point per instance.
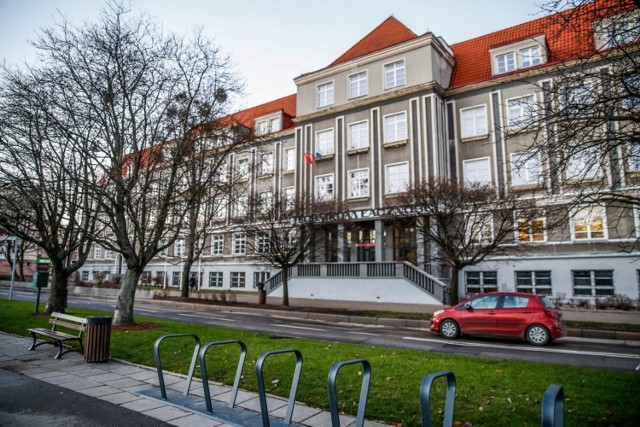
(547, 303)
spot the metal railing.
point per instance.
(347, 270)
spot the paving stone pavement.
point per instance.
(117, 383)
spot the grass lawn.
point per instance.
(489, 393)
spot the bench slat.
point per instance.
(67, 324)
(69, 317)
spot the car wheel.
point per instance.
(449, 329)
(538, 335)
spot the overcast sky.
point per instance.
(272, 42)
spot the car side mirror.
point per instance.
(467, 306)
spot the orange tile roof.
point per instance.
(286, 104)
(569, 35)
(390, 33)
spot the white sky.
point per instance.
(272, 42)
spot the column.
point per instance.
(379, 240)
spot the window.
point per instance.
(474, 121)
(531, 230)
(589, 223)
(238, 279)
(84, 276)
(217, 244)
(525, 169)
(479, 228)
(241, 206)
(215, 279)
(220, 209)
(579, 100)
(265, 200)
(266, 164)
(618, 30)
(520, 111)
(358, 183)
(262, 127)
(593, 282)
(534, 282)
(530, 56)
(97, 252)
(324, 94)
(478, 282)
(476, 172)
(289, 159)
(324, 187)
(358, 85)
(394, 75)
(630, 92)
(108, 254)
(505, 62)
(397, 178)
(289, 198)
(395, 127)
(583, 164)
(242, 168)
(239, 243)
(263, 243)
(160, 280)
(358, 135)
(324, 142)
(261, 277)
(175, 279)
(634, 157)
(178, 248)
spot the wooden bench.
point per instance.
(60, 338)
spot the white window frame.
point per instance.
(532, 60)
(217, 244)
(395, 127)
(394, 182)
(325, 94)
(242, 168)
(266, 164)
(588, 216)
(595, 283)
(263, 242)
(581, 165)
(359, 186)
(479, 228)
(397, 71)
(521, 114)
(633, 157)
(216, 279)
(97, 252)
(476, 118)
(239, 244)
(531, 226)
(506, 62)
(324, 187)
(238, 279)
(535, 286)
(265, 198)
(289, 194)
(477, 178)
(325, 142)
(359, 135)
(482, 285)
(241, 205)
(359, 81)
(175, 279)
(289, 159)
(178, 248)
(525, 169)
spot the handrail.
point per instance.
(262, 393)
(156, 353)
(364, 391)
(425, 398)
(553, 406)
(205, 377)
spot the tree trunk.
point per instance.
(186, 276)
(285, 286)
(58, 293)
(123, 314)
(453, 296)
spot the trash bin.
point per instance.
(97, 346)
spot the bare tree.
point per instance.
(7, 250)
(467, 224)
(282, 231)
(584, 125)
(44, 168)
(153, 102)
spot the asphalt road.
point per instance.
(571, 351)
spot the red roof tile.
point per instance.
(569, 35)
(286, 104)
(390, 33)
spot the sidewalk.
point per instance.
(117, 383)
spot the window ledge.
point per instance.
(355, 151)
(288, 171)
(359, 199)
(266, 175)
(474, 138)
(325, 157)
(526, 187)
(395, 144)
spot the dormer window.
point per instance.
(267, 125)
(617, 30)
(520, 55)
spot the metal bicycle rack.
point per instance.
(205, 376)
(264, 410)
(425, 398)
(364, 391)
(553, 406)
(156, 354)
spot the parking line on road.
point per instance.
(534, 349)
(206, 317)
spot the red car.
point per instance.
(502, 314)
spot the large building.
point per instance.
(399, 108)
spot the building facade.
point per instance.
(398, 109)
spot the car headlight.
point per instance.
(438, 313)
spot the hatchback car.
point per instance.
(502, 314)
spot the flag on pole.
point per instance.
(318, 156)
(308, 158)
